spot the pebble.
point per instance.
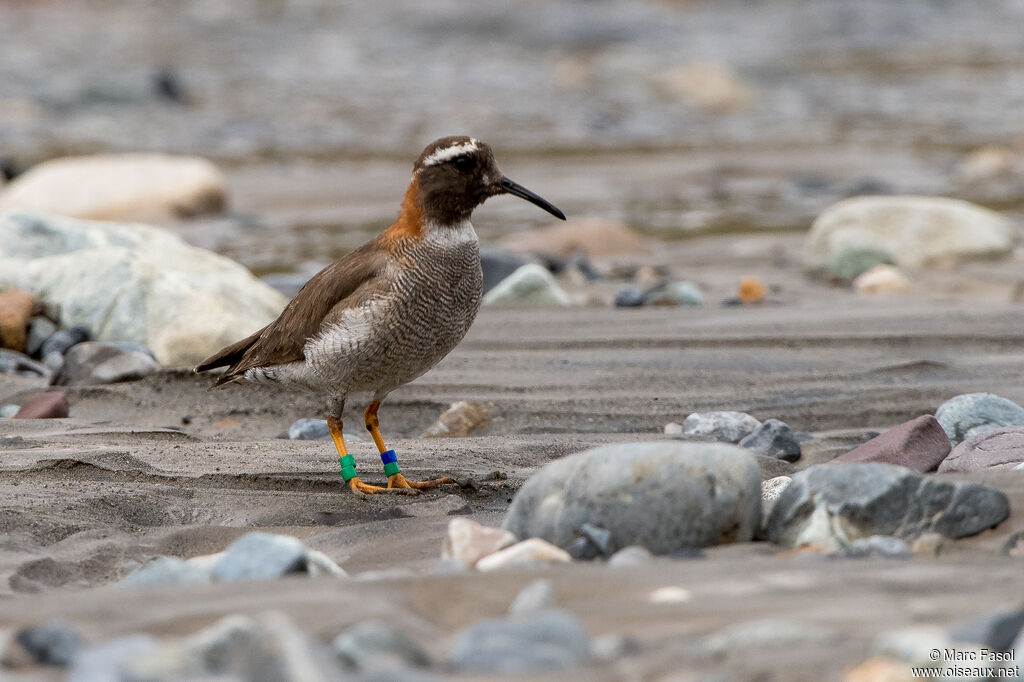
(674, 293)
(881, 279)
(373, 645)
(727, 426)
(970, 414)
(546, 640)
(53, 361)
(8, 411)
(467, 541)
(536, 596)
(526, 553)
(773, 438)
(63, 339)
(928, 544)
(830, 506)
(164, 570)
(1000, 448)
(673, 429)
(883, 546)
(49, 405)
(919, 444)
(39, 330)
(19, 364)
(458, 421)
(15, 312)
(750, 291)
(93, 363)
(531, 284)
(634, 555)
(848, 263)
(315, 429)
(664, 504)
(54, 643)
(263, 556)
(629, 297)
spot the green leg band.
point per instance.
(391, 468)
(348, 467)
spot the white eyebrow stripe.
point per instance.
(449, 153)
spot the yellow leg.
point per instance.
(334, 426)
(396, 480)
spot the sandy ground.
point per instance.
(163, 466)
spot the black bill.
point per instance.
(515, 189)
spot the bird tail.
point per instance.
(229, 356)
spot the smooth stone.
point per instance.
(39, 330)
(165, 570)
(536, 596)
(847, 264)
(110, 660)
(260, 556)
(15, 312)
(674, 293)
(995, 631)
(771, 490)
(531, 284)
(1000, 448)
(629, 297)
(53, 361)
(652, 494)
(19, 364)
(145, 187)
(595, 238)
(373, 645)
(917, 231)
(673, 429)
(308, 429)
(8, 411)
(544, 640)
(726, 425)
(881, 279)
(95, 363)
(831, 506)
(498, 264)
(634, 555)
(63, 339)
(763, 634)
(919, 444)
(928, 544)
(773, 438)
(458, 421)
(133, 282)
(49, 405)
(54, 643)
(468, 542)
(531, 552)
(970, 414)
(883, 546)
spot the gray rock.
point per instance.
(63, 339)
(545, 640)
(883, 546)
(19, 364)
(498, 264)
(675, 293)
(629, 297)
(536, 596)
(726, 425)
(8, 411)
(53, 361)
(39, 330)
(110, 661)
(94, 363)
(260, 556)
(847, 264)
(374, 644)
(634, 555)
(593, 542)
(971, 414)
(831, 506)
(773, 467)
(773, 438)
(531, 284)
(997, 631)
(165, 570)
(308, 429)
(54, 643)
(676, 495)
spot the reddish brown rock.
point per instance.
(919, 444)
(15, 311)
(1001, 448)
(50, 405)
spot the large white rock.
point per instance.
(916, 231)
(134, 283)
(122, 187)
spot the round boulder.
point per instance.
(664, 496)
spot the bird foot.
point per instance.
(358, 486)
(400, 482)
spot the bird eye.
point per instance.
(463, 164)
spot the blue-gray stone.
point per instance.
(19, 364)
(544, 640)
(970, 414)
(847, 264)
(308, 429)
(165, 570)
(773, 438)
(39, 330)
(54, 643)
(997, 631)
(94, 363)
(64, 339)
(375, 644)
(8, 411)
(629, 297)
(260, 556)
(110, 661)
(675, 293)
